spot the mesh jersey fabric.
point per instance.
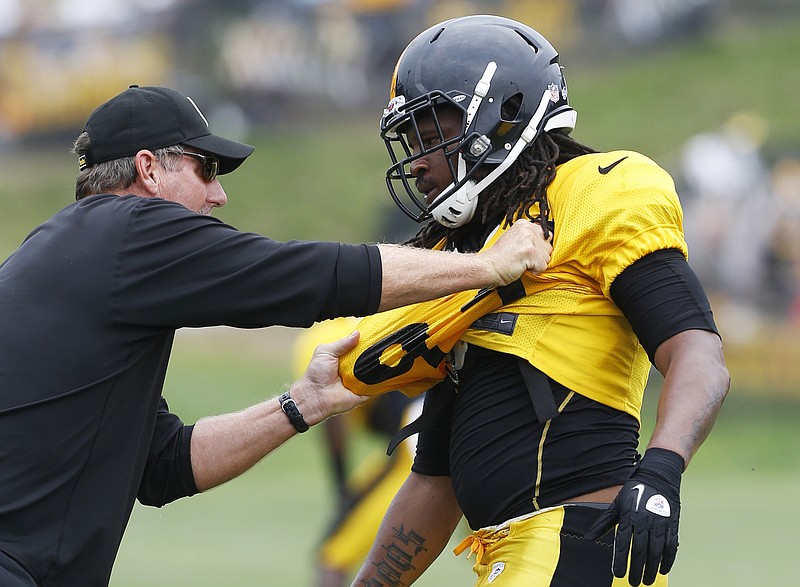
(603, 222)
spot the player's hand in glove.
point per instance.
(646, 511)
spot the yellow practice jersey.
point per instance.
(404, 349)
(608, 210)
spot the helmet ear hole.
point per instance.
(509, 111)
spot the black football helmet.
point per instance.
(503, 77)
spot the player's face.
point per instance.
(431, 171)
(188, 185)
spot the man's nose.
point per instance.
(215, 194)
(418, 166)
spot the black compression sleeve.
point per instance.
(358, 282)
(168, 472)
(661, 296)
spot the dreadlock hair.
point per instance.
(522, 185)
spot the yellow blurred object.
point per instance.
(320, 333)
(555, 19)
(56, 86)
(376, 5)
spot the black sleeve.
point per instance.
(661, 296)
(168, 472)
(433, 442)
(181, 269)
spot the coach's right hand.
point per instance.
(521, 248)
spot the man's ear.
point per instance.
(148, 172)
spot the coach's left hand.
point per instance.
(646, 510)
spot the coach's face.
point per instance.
(186, 185)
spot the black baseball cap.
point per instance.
(152, 118)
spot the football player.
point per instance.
(532, 429)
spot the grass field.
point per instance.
(739, 495)
(324, 181)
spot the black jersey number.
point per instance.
(369, 369)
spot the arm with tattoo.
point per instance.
(415, 530)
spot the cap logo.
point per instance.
(395, 105)
(198, 110)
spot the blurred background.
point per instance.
(707, 88)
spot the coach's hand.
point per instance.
(320, 393)
(646, 510)
(521, 248)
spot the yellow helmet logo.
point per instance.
(393, 87)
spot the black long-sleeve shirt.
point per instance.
(89, 305)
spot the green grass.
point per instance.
(655, 100)
(261, 528)
(324, 180)
(739, 495)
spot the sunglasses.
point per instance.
(210, 165)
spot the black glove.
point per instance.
(647, 510)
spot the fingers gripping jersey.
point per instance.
(405, 348)
(608, 210)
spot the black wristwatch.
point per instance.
(289, 408)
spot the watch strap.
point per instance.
(289, 407)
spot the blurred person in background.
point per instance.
(89, 306)
(785, 242)
(725, 172)
(363, 489)
(532, 429)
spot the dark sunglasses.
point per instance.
(210, 165)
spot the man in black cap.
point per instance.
(89, 305)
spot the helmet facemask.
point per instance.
(505, 102)
(400, 129)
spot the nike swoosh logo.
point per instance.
(639, 488)
(605, 170)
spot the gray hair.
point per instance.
(117, 174)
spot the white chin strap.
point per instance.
(459, 207)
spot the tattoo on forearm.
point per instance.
(704, 422)
(397, 559)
